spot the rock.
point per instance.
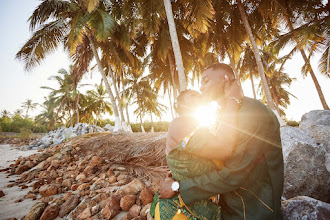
(50, 213)
(2, 194)
(134, 211)
(67, 183)
(112, 208)
(81, 177)
(146, 196)
(316, 117)
(36, 211)
(112, 179)
(290, 136)
(83, 186)
(305, 167)
(86, 203)
(127, 201)
(132, 188)
(21, 169)
(303, 207)
(96, 161)
(69, 205)
(48, 190)
(85, 214)
(317, 125)
(145, 210)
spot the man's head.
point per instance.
(213, 80)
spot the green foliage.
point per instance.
(158, 126)
(18, 124)
(103, 123)
(25, 133)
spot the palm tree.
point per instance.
(66, 95)
(18, 112)
(97, 102)
(29, 105)
(73, 23)
(315, 31)
(261, 70)
(152, 106)
(48, 116)
(5, 113)
(247, 67)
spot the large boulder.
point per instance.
(303, 207)
(305, 169)
(317, 125)
(316, 117)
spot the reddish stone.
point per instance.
(85, 214)
(112, 208)
(50, 213)
(146, 196)
(21, 169)
(36, 211)
(2, 194)
(69, 205)
(48, 190)
(134, 211)
(67, 183)
(74, 187)
(126, 202)
(83, 186)
(96, 161)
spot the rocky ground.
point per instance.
(115, 175)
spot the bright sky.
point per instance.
(17, 85)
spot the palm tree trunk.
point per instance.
(175, 44)
(142, 128)
(316, 82)
(152, 123)
(76, 108)
(128, 122)
(257, 56)
(170, 100)
(172, 69)
(253, 88)
(261, 70)
(107, 86)
(27, 111)
(118, 98)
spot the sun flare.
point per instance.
(206, 115)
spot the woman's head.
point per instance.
(187, 102)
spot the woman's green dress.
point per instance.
(184, 164)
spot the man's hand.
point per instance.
(165, 190)
(233, 89)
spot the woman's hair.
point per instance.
(180, 106)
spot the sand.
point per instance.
(8, 207)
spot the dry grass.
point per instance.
(143, 154)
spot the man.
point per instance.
(250, 183)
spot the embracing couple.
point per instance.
(234, 171)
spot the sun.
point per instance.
(206, 115)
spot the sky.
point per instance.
(17, 85)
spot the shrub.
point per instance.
(292, 123)
(25, 133)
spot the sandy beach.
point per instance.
(8, 207)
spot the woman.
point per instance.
(184, 163)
